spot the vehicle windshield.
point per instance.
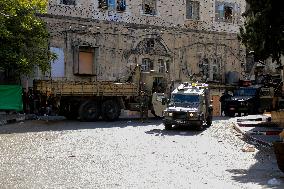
(245, 92)
(185, 100)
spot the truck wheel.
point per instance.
(199, 128)
(168, 126)
(110, 110)
(69, 110)
(231, 114)
(89, 111)
(209, 121)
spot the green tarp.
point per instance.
(11, 97)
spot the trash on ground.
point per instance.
(248, 149)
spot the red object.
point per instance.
(245, 83)
(273, 132)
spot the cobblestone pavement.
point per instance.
(130, 154)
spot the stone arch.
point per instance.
(149, 45)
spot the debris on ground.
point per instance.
(248, 149)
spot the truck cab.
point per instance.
(189, 105)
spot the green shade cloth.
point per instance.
(11, 97)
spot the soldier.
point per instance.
(144, 100)
(223, 100)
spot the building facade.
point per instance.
(105, 39)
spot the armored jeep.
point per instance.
(244, 100)
(189, 105)
(254, 99)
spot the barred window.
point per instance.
(118, 5)
(68, 2)
(224, 12)
(147, 65)
(149, 7)
(192, 10)
(162, 67)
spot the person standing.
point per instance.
(223, 99)
(144, 102)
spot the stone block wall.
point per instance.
(121, 45)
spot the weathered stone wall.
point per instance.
(120, 45)
(170, 13)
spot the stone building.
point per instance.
(104, 39)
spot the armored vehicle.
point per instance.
(244, 100)
(254, 99)
(189, 105)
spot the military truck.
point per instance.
(253, 99)
(92, 100)
(189, 105)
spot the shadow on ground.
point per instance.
(263, 170)
(184, 131)
(43, 125)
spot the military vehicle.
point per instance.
(253, 99)
(189, 105)
(92, 100)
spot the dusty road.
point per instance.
(130, 154)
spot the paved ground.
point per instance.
(130, 154)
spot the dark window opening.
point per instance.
(228, 13)
(103, 4)
(149, 7)
(119, 5)
(150, 43)
(68, 2)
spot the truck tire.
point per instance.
(209, 121)
(200, 128)
(69, 110)
(110, 110)
(230, 114)
(89, 111)
(168, 126)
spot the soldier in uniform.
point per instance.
(223, 100)
(144, 100)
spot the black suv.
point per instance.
(244, 100)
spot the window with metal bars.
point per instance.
(68, 2)
(192, 10)
(149, 7)
(118, 5)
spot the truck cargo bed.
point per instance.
(82, 88)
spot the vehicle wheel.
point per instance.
(168, 126)
(89, 111)
(69, 110)
(231, 114)
(110, 110)
(209, 121)
(199, 128)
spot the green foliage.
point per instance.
(23, 36)
(264, 29)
